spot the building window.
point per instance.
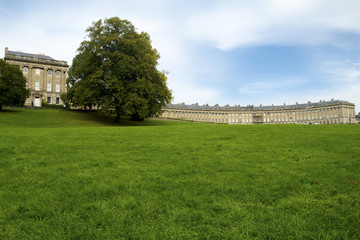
(49, 100)
(25, 69)
(37, 86)
(37, 71)
(49, 87)
(58, 73)
(58, 87)
(57, 101)
(49, 72)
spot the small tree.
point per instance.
(12, 85)
(115, 69)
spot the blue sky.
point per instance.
(218, 51)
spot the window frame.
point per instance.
(57, 88)
(37, 86)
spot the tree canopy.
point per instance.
(116, 69)
(12, 85)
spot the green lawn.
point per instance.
(72, 175)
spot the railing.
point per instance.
(37, 60)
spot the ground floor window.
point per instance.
(49, 100)
(57, 101)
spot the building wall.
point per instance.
(329, 113)
(46, 78)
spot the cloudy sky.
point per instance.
(217, 51)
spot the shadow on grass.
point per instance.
(10, 111)
(43, 117)
(109, 120)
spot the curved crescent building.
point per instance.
(322, 112)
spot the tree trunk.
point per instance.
(117, 118)
(1, 106)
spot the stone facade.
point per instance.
(46, 77)
(322, 112)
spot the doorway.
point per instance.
(37, 102)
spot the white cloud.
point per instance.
(343, 71)
(343, 80)
(275, 22)
(193, 93)
(272, 85)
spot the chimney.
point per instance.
(6, 52)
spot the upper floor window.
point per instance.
(25, 69)
(58, 73)
(37, 71)
(49, 72)
(37, 86)
(57, 87)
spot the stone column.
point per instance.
(30, 85)
(53, 80)
(45, 81)
(30, 72)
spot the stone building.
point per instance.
(322, 112)
(46, 77)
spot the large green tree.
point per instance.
(13, 90)
(116, 69)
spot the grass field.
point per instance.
(71, 175)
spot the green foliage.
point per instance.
(115, 69)
(44, 104)
(13, 90)
(71, 175)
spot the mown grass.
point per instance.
(71, 175)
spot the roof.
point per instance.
(22, 54)
(251, 107)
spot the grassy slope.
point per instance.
(68, 175)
